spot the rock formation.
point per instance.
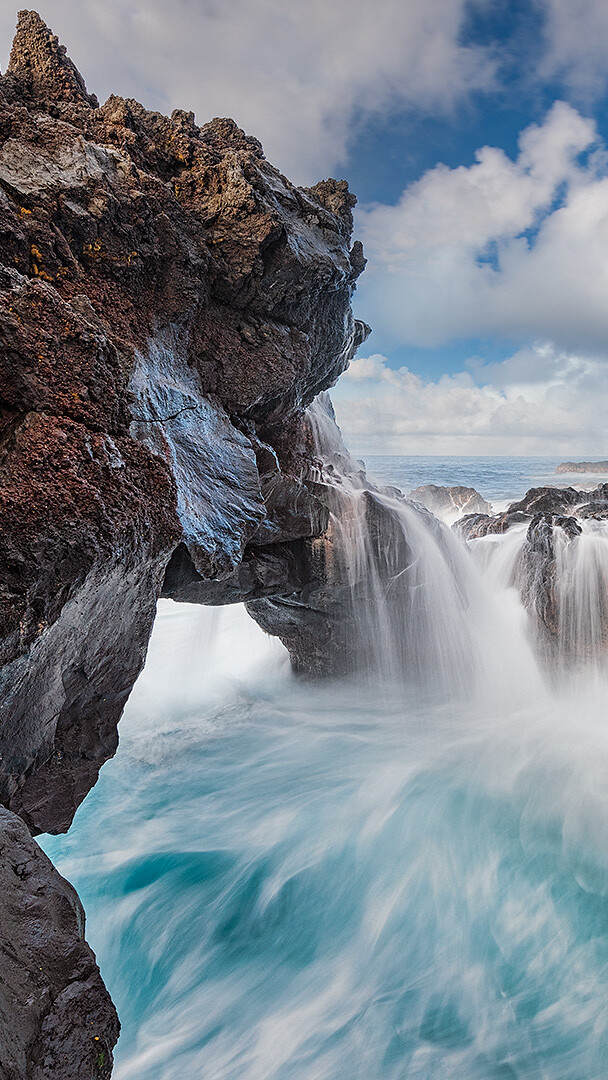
(561, 571)
(582, 467)
(450, 502)
(57, 1021)
(169, 306)
(544, 500)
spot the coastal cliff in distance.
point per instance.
(599, 467)
(170, 304)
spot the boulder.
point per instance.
(56, 1016)
(450, 502)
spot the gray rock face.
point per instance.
(450, 502)
(328, 625)
(219, 497)
(57, 1021)
(355, 602)
(537, 574)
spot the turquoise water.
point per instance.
(349, 882)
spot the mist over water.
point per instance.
(403, 875)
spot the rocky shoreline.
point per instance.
(553, 520)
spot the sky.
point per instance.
(475, 135)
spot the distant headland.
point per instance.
(582, 467)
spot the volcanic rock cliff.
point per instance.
(169, 306)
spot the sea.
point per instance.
(356, 879)
(500, 480)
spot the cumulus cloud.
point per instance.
(541, 400)
(499, 248)
(296, 74)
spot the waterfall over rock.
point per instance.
(553, 547)
(398, 597)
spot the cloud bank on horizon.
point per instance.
(502, 249)
(499, 252)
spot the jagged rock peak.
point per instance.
(42, 65)
(222, 131)
(335, 196)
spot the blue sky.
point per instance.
(474, 134)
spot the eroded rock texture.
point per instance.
(57, 1021)
(548, 501)
(169, 306)
(450, 502)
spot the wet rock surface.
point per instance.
(169, 306)
(360, 571)
(57, 1021)
(562, 583)
(545, 500)
(536, 571)
(450, 502)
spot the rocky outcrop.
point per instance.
(560, 502)
(450, 502)
(56, 1016)
(537, 571)
(582, 467)
(170, 304)
(352, 610)
(561, 569)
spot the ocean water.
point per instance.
(499, 479)
(355, 880)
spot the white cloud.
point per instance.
(576, 46)
(454, 258)
(539, 401)
(295, 74)
(302, 74)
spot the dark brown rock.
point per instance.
(169, 306)
(41, 66)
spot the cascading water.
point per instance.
(413, 604)
(562, 576)
(397, 876)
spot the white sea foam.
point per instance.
(360, 880)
